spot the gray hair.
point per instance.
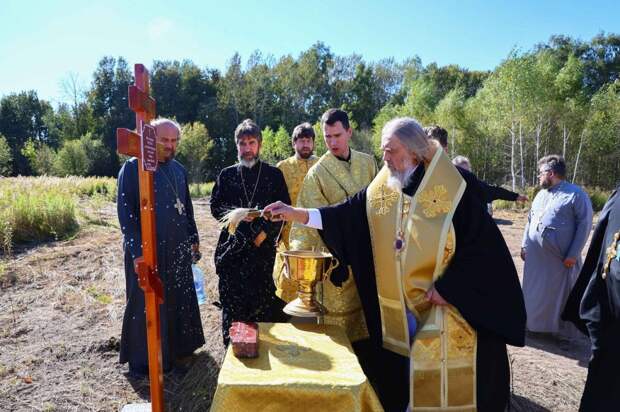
(409, 132)
(461, 161)
(164, 120)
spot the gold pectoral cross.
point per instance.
(180, 207)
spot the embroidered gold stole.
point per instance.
(443, 354)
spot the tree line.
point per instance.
(561, 96)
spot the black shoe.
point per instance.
(138, 372)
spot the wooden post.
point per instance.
(137, 143)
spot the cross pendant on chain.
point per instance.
(179, 206)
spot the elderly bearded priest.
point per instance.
(423, 251)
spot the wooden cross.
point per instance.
(140, 143)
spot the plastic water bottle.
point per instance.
(199, 284)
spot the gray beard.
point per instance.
(397, 180)
(248, 163)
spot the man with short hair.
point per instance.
(244, 259)
(439, 288)
(337, 176)
(177, 246)
(294, 170)
(557, 229)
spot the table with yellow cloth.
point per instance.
(300, 367)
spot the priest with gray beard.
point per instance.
(244, 259)
(437, 282)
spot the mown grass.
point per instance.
(44, 208)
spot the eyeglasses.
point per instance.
(542, 172)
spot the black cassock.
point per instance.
(480, 281)
(594, 307)
(181, 328)
(247, 291)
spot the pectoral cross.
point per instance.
(141, 143)
(180, 207)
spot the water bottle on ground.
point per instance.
(199, 284)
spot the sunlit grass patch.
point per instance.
(199, 190)
(45, 208)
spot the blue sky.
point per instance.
(42, 42)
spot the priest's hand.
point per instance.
(569, 262)
(280, 211)
(434, 297)
(196, 255)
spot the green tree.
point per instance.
(86, 156)
(193, 150)
(108, 99)
(5, 157)
(72, 160)
(276, 145)
(21, 118)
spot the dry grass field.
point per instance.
(61, 307)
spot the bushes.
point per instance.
(84, 157)
(598, 197)
(199, 190)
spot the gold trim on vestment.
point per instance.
(443, 355)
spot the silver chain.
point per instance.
(245, 192)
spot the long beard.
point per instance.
(248, 163)
(397, 179)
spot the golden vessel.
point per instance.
(306, 268)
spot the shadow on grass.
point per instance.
(191, 391)
(195, 390)
(577, 348)
(521, 404)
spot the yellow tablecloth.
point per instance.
(299, 368)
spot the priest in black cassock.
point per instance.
(594, 307)
(437, 282)
(244, 259)
(177, 242)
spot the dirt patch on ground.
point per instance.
(61, 308)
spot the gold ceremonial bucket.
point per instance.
(307, 267)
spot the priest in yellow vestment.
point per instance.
(338, 175)
(294, 170)
(438, 285)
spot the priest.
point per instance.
(244, 259)
(177, 243)
(594, 307)
(437, 282)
